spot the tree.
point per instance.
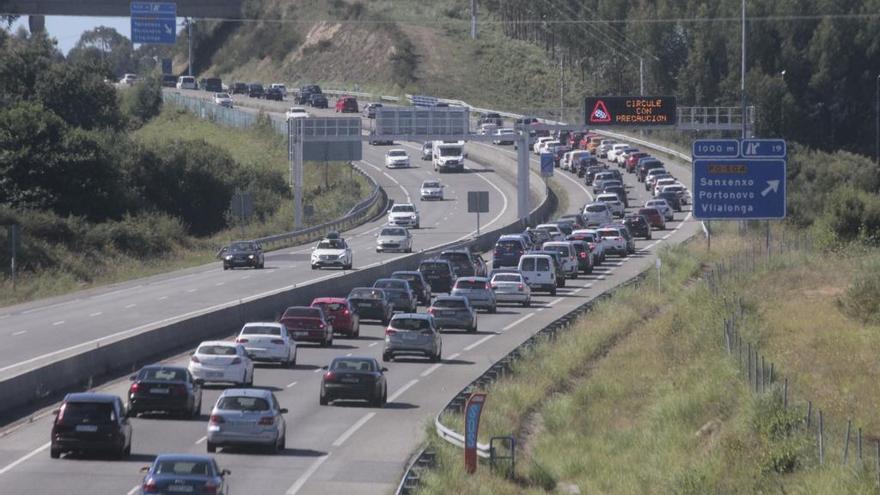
(104, 47)
(78, 94)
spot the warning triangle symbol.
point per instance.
(600, 113)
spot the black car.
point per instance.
(318, 100)
(638, 225)
(620, 191)
(418, 284)
(169, 81)
(491, 118)
(371, 304)
(400, 294)
(591, 172)
(242, 253)
(464, 263)
(88, 422)
(273, 94)
(584, 258)
(212, 84)
(306, 92)
(672, 198)
(354, 378)
(646, 166)
(255, 90)
(168, 389)
(439, 274)
(239, 88)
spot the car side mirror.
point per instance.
(145, 469)
(225, 472)
(384, 369)
(199, 381)
(132, 378)
(325, 367)
(283, 410)
(55, 412)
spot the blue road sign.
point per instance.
(547, 164)
(764, 148)
(154, 22)
(739, 189)
(715, 148)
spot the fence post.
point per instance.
(860, 444)
(756, 369)
(770, 380)
(785, 395)
(846, 441)
(809, 412)
(877, 460)
(749, 367)
(821, 439)
(763, 389)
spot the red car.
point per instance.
(347, 104)
(655, 218)
(341, 315)
(633, 159)
(307, 324)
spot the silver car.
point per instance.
(400, 294)
(247, 417)
(477, 290)
(453, 312)
(412, 334)
(394, 239)
(511, 287)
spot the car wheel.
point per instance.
(347, 267)
(527, 303)
(196, 410)
(262, 265)
(314, 267)
(211, 447)
(436, 357)
(281, 444)
(574, 275)
(648, 237)
(127, 451)
(553, 291)
(493, 309)
(387, 357)
(322, 400)
(561, 281)
(225, 268)
(54, 453)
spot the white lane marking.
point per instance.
(554, 302)
(453, 356)
(162, 298)
(130, 306)
(349, 432)
(298, 484)
(97, 313)
(20, 332)
(475, 344)
(619, 263)
(601, 277)
(291, 384)
(405, 192)
(431, 370)
(575, 292)
(588, 286)
(666, 236)
(245, 277)
(218, 284)
(318, 370)
(192, 290)
(649, 246)
(56, 323)
(517, 322)
(24, 458)
(348, 355)
(201, 440)
(113, 293)
(134, 490)
(403, 389)
(51, 306)
(371, 345)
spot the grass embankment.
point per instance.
(75, 254)
(639, 397)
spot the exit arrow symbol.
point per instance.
(167, 29)
(772, 185)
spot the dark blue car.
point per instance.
(184, 473)
(507, 251)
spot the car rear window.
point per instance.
(73, 413)
(449, 303)
(609, 233)
(441, 267)
(470, 284)
(509, 245)
(331, 306)
(233, 403)
(216, 350)
(162, 375)
(261, 330)
(504, 277)
(562, 250)
(302, 312)
(410, 324)
(184, 468)
(527, 264)
(390, 284)
(366, 294)
(352, 365)
(597, 208)
(543, 264)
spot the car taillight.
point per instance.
(210, 487)
(132, 390)
(277, 341)
(150, 486)
(236, 360)
(216, 419)
(583, 254)
(329, 376)
(320, 325)
(60, 413)
(430, 311)
(489, 286)
(345, 312)
(241, 341)
(267, 421)
(390, 331)
(520, 287)
(178, 390)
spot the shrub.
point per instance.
(862, 299)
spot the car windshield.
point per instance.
(267, 330)
(596, 208)
(449, 303)
(162, 375)
(350, 364)
(450, 151)
(221, 95)
(302, 313)
(510, 245)
(397, 153)
(238, 247)
(366, 294)
(216, 350)
(233, 403)
(331, 244)
(332, 307)
(390, 284)
(443, 267)
(87, 412)
(609, 233)
(506, 277)
(563, 250)
(410, 324)
(431, 184)
(183, 468)
(402, 209)
(393, 232)
(470, 284)
(608, 197)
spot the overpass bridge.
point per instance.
(214, 9)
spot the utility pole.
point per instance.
(189, 39)
(561, 90)
(473, 19)
(742, 85)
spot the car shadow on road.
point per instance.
(400, 405)
(134, 457)
(457, 361)
(288, 452)
(364, 337)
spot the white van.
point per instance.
(567, 255)
(537, 269)
(186, 82)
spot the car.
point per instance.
(347, 104)
(679, 190)
(487, 129)
(243, 253)
(672, 198)
(274, 94)
(632, 159)
(565, 226)
(318, 100)
(221, 361)
(613, 202)
(417, 283)
(213, 84)
(129, 79)
(539, 143)
(223, 100)
(280, 87)
(597, 214)
(464, 262)
(477, 290)
(169, 81)
(166, 389)
(491, 118)
(247, 417)
(296, 113)
(412, 334)
(400, 294)
(507, 251)
(184, 473)
(662, 206)
(332, 250)
(556, 233)
(615, 149)
(396, 158)
(538, 272)
(186, 82)
(354, 378)
(431, 190)
(617, 243)
(340, 314)
(268, 342)
(567, 256)
(90, 422)
(394, 239)
(369, 110)
(654, 217)
(305, 93)
(594, 242)
(623, 154)
(239, 88)
(427, 150)
(505, 135)
(638, 225)
(591, 173)
(619, 191)
(561, 275)
(308, 324)
(537, 237)
(371, 304)
(255, 90)
(404, 215)
(584, 255)
(652, 175)
(453, 312)
(512, 288)
(662, 182)
(439, 273)
(646, 165)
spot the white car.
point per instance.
(660, 183)
(556, 234)
(547, 146)
(332, 251)
(539, 142)
(129, 79)
(394, 239)
(615, 242)
(567, 255)
(662, 206)
(404, 215)
(223, 99)
(297, 113)
(396, 158)
(221, 361)
(281, 87)
(613, 202)
(268, 341)
(505, 135)
(488, 129)
(604, 146)
(653, 175)
(573, 157)
(511, 287)
(623, 154)
(679, 189)
(431, 189)
(186, 82)
(597, 214)
(615, 149)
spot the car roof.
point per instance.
(268, 323)
(406, 272)
(184, 457)
(418, 316)
(329, 300)
(472, 279)
(218, 342)
(247, 392)
(89, 397)
(162, 367)
(450, 298)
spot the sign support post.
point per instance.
(473, 409)
(522, 176)
(13, 246)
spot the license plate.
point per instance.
(300, 334)
(350, 380)
(87, 428)
(410, 336)
(214, 374)
(163, 391)
(180, 488)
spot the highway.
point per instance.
(333, 449)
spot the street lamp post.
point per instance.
(877, 122)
